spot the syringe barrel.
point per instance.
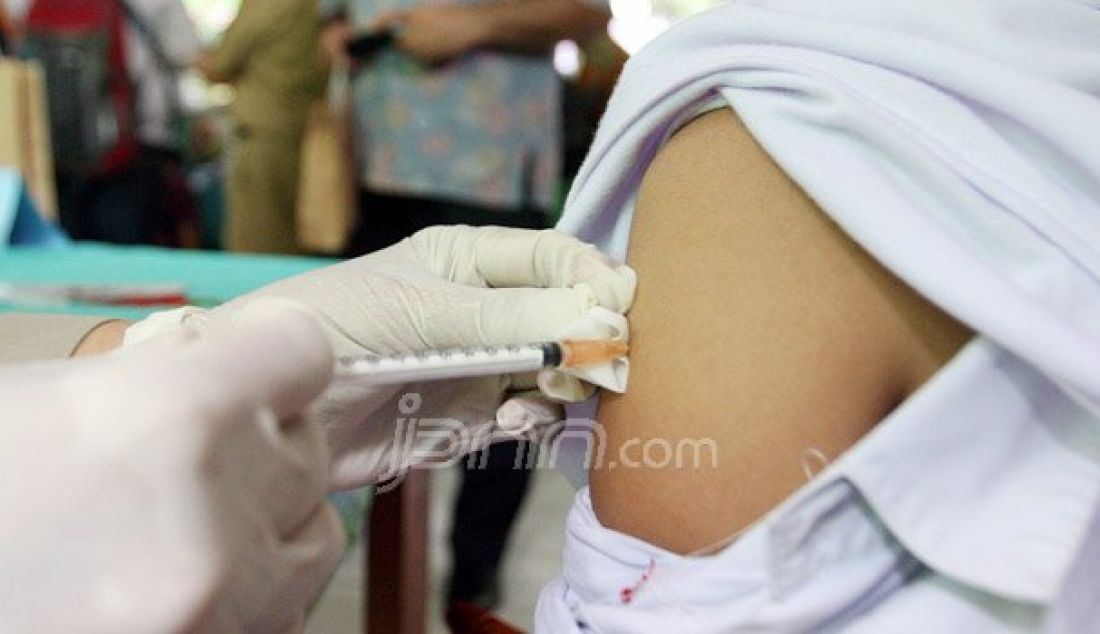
(448, 364)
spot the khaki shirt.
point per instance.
(271, 55)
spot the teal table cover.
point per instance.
(209, 278)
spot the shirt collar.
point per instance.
(989, 475)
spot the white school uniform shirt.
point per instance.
(959, 143)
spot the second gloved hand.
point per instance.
(175, 487)
(445, 287)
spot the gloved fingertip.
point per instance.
(276, 346)
(524, 413)
(626, 286)
(564, 388)
(613, 288)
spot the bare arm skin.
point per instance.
(103, 338)
(536, 25)
(438, 33)
(759, 325)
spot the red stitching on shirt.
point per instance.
(626, 595)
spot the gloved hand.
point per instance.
(443, 287)
(171, 487)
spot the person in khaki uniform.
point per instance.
(270, 56)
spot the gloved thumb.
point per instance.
(526, 412)
(565, 388)
(272, 349)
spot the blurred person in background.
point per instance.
(113, 69)
(7, 32)
(270, 56)
(459, 123)
(585, 98)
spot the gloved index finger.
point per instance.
(500, 257)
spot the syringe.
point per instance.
(433, 365)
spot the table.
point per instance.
(209, 277)
(397, 535)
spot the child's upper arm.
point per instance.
(760, 330)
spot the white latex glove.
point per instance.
(443, 287)
(173, 487)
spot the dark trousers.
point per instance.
(142, 203)
(495, 481)
(493, 487)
